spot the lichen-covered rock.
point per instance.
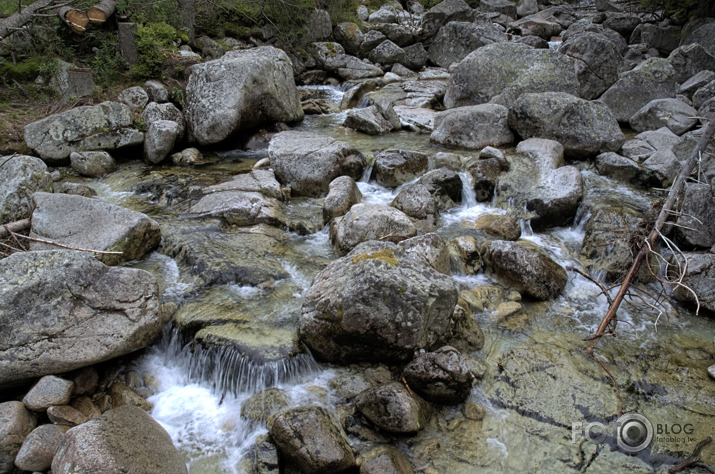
(20, 177)
(584, 128)
(653, 79)
(92, 163)
(391, 407)
(164, 111)
(386, 53)
(342, 195)
(310, 437)
(103, 126)
(307, 162)
(124, 439)
(530, 270)
(370, 222)
(456, 39)
(160, 139)
(135, 97)
(349, 36)
(395, 167)
(378, 303)
(597, 62)
(244, 89)
(473, 127)
(674, 114)
(93, 224)
(501, 72)
(87, 312)
(441, 376)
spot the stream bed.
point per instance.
(538, 388)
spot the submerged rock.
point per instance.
(391, 407)
(87, 312)
(311, 438)
(377, 303)
(441, 376)
(124, 439)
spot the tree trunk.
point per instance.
(10, 24)
(75, 19)
(187, 18)
(99, 13)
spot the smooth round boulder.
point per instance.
(160, 139)
(48, 391)
(125, 439)
(343, 194)
(370, 222)
(40, 447)
(92, 163)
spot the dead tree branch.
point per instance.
(12, 227)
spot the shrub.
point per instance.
(152, 43)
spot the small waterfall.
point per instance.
(469, 196)
(525, 224)
(581, 219)
(365, 178)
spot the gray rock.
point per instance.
(417, 119)
(351, 68)
(319, 27)
(187, 157)
(533, 41)
(664, 165)
(416, 56)
(580, 27)
(473, 127)
(242, 208)
(135, 97)
(704, 94)
(362, 13)
(88, 313)
(597, 62)
(534, 25)
(484, 173)
(398, 34)
(662, 139)
(48, 391)
(501, 72)
(373, 120)
(622, 23)
(663, 38)
(386, 14)
(697, 81)
(370, 222)
(617, 167)
(312, 439)
(385, 459)
(370, 41)
(704, 37)
(392, 408)
(103, 126)
(123, 395)
(378, 303)
(546, 154)
(652, 79)
(39, 448)
(417, 202)
(160, 139)
(430, 248)
(443, 13)
(92, 163)
(210, 49)
(441, 376)
(342, 195)
(243, 90)
(124, 439)
(155, 112)
(505, 7)
(445, 186)
(93, 224)
(395, 167)
(696, 216)
(71, 82)
(456, 39)
(20, 177)
(324, 52)
(349, 36)
(66, 415)
(584, 128)
(707, 108)
(16, 422)
(674, 114)
(699, 277)
(526, 8)
(529, 270)
(637, 150)
(265, 452)
(387, 53)
(157, 91)
(690, 59)
(261, 405)
(308, 162)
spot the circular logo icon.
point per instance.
(634, 432)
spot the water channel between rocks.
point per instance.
(537, 381)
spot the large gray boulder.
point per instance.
(674, 114)
(373, 120)
(92, 163)
(391, 407)
(378, 303)
(20, 177)
(342, 195)
(690, 59)
(16, 422)
(244, 89)
(312, 439)
(386, 53)
(104, 126)
(395, 167)
(160, 139)
(67, 310)
(122, 440)
(696, 216)
(308, 162)
(370, 222)
(93, 224)
(584, 128)
(700, 278)
(441, 376)
(457, 39)
(242, 208)
(597, 62)
(528, 269)
(443, 13)
(653, 79)
(473, 127)
(703, 36)
(501, 72)
(417, 202)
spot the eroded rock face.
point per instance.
(124, 439)
(308, 162)
(377, 303)
(67, 310)
(528, 269)
(501, 72)
(104, 126)
(88, 223)
(311, 438)
(392, 408)
(242, 90)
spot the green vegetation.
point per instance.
(682, 10)
(152, 42)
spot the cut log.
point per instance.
(99, 13)
(75, 19)
(15, 21)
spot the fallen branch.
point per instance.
(15, 21)
(673, 196)
(693, 458)
(50, 242)
(12, 227)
